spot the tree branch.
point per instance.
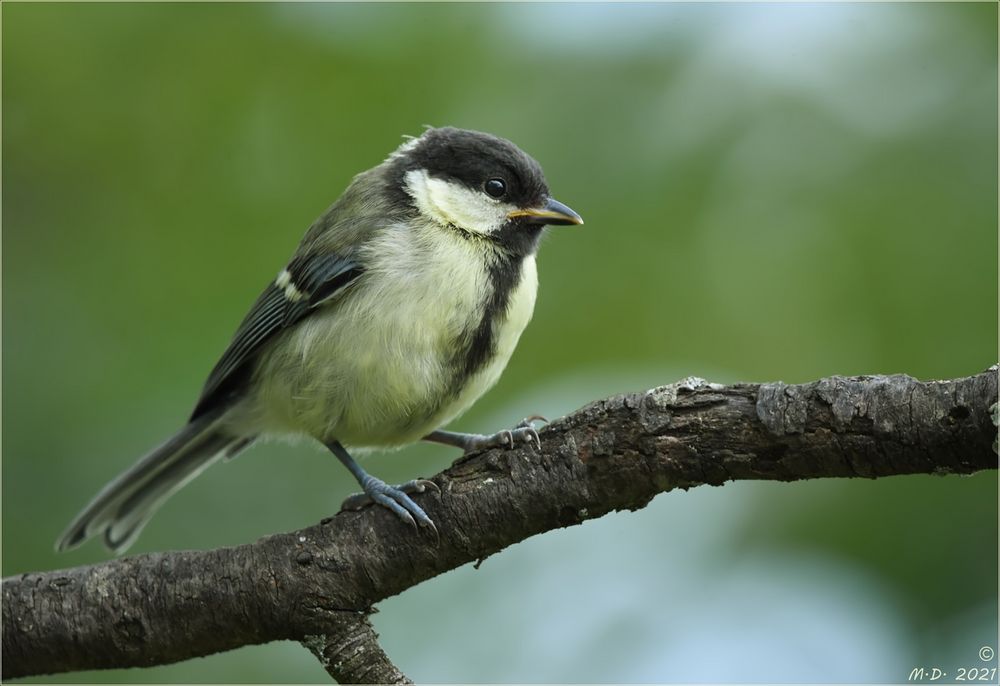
(318, 585)
(350, 653)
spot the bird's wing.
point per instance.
(305, 284)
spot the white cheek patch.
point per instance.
(451, 203)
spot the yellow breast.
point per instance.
(376, 369)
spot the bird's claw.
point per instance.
(527, 426)
(395, 498)
(529, 420)
(524, 432)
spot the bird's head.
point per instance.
(478, 184)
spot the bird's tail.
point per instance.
(124, 506)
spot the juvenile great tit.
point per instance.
(399, 309)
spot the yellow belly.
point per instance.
(350, 373)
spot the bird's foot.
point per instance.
(524, 433)
(395, 498)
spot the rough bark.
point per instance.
(350, 653)
(318, 585)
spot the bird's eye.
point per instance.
(495, 188)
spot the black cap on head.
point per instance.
(474, 159)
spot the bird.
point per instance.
(400, 307)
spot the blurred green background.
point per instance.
(771, 192)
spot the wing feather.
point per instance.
(307, 283)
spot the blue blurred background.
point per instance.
(771, 192)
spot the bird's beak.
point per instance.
(553, 212)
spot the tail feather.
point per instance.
(141, 503)
(124, 506)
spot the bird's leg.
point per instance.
(377, 491)
(524, 432)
